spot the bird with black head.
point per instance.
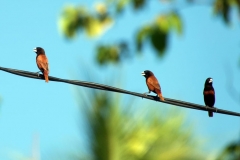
(152, 84)
(42, 62)
(209, 94)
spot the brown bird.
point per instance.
(209, 95)
(42, 61)
(152, 84)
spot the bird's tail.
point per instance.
(160, 96)
(210, 114)
(45, 73)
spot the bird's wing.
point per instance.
(42, 63)
(208, 90)
(154, 82)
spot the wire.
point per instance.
(114, 89)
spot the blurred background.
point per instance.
(111, 42)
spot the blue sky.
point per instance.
(31, 107)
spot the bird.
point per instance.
(209, 94)
(42, 62)
(152, 84)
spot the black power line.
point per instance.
(114, 89)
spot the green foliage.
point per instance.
(120, 5)
(137, 4)
(79, 18)
(111, 53)
(159, 40)
(107, 54)
(175, 22)
(223, 8)
(70, 22)
(158, 32)
(142, 34)
(147, 133)
(231, 152)
(75, 19)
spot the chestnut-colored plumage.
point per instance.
(42, 61)
(209, 95)
(152, 83)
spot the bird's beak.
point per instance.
(35, 50)
(211, 80)
(143, 74)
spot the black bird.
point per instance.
(209, 95)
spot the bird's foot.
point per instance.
(216, 109)
(38, 73)
(145, 94)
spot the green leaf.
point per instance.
(231, 151)
(137, 4)
(175, 22)
(69, 21)
(222, 7)
(142, 35)
(158, 32)
(169, 21)
(93, 27)
(159, 40)
(112, 53)
(106, 54)
(121, 4)
(96, 26)
(74, 19)
(162, 22)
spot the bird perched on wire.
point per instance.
(209, 95)
(42, 61)
(152, 84)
